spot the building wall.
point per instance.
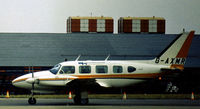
(48, 49)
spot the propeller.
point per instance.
(31, 80)
(32, 92)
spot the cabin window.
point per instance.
(117, 69)
(101, 69)
(131, 69)
(67, 70)
(55, 69)
(84, 69)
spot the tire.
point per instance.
(79, 101)
(84, 101)
(32, 101)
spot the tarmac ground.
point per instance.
(15, 103)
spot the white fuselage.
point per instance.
(105, 73)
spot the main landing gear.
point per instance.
(81, 98)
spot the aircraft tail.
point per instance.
(174, 55)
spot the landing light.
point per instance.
(160, 78)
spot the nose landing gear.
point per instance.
(32, 100)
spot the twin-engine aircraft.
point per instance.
(82, 75)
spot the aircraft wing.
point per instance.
(83, 84)
(169, 72)
(169, 69)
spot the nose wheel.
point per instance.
(32, 100)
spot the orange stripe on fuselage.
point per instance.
(106, 76)
(177, 66)
(151, 75)
(18, 80)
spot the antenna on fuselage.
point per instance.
(107, 57)
(78, 57)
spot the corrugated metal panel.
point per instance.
(109, 25)
(153, 26)
(91, 24)
(84, 25)
(75, 25)
(84, 21)
(136, 25)
(161, 26)
(144, 25)
(101, 25)
(141, 24)
(101, 29)
(101, 21)
(49, 49)
(127, 26)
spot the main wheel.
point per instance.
(79, 101)
(32, 101)
(84, 101)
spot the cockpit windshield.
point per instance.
(55, 69)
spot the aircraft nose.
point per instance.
(16, 81)
(20, 81)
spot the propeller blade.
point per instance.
(33, 87)
(32, 72)
(32, 93)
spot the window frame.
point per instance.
(61, 70)
(90, 69)
(134, 69)
(56, 69)
(118, 67)
(104, 66)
